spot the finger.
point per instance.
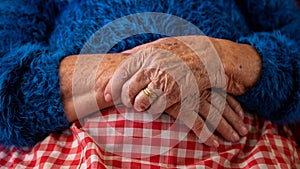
(127, 69)
(232, 116)
(160, 98)
(233, 119)
(193, 121)
(143, 100)
(133, 86)
(158, 106)
(235, 105)
(217, 122)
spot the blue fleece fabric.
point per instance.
(37, 34)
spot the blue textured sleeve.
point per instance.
(30, 103)
(276, 26)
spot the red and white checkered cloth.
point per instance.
(118, 138)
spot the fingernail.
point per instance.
(216, 143)
(107, 97)
(235, 137)
(244, 131)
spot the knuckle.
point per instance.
(124, 73)
(131, 90)
(140, 105)
(131, 93)
(237, 107)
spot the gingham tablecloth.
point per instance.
(121, 138)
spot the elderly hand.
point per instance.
(179, 73)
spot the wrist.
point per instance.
(241, 62)
(83, 79)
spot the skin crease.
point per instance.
(236, 59)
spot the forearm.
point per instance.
(94, 71)
(275, 96)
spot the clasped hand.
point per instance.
(183, 77)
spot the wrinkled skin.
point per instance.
(183, 72)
